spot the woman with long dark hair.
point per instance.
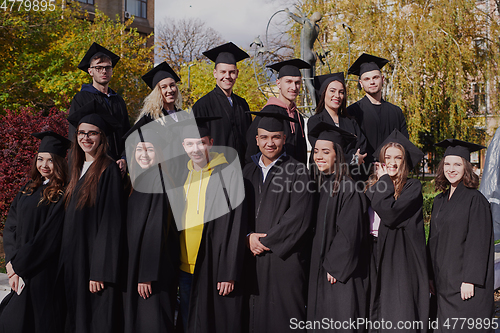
(331, 109)
(398, 270)
(152, 236)
(461, 243)
(32, 237)
(338, 264)
(91, 251)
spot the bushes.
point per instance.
(18, 147)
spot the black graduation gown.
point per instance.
(337, 249)
(230, 130)
(295, 144)
(220, 258)
(377, 126)
(32, 238)
(91, 250)
(461, 250)
(281, 207)
(153, 253)
(402, 292)
(116, 107)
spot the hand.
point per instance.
(144, 289)
(10, 270)
(467, 290)
(330, 278)
(14, 282)
(432, 289)
(95, 286)
(380, 169)
(361, 157)
(255, 245)
(225, 288)
(122, 164)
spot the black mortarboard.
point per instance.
(329, 132)
(190, 131)
(227, 54)
(321, 82)
(367, 63)
(289, 67)
(94, 113)
(160, 72)
(96, 48)
(413, 154)
(272, 121)
(459, 148)
(146, 133)
(52, 143)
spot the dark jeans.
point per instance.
(185, 282)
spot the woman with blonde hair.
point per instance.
(398, 270)
(32, 237)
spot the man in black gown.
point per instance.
(99, 63)
(376, 117)
(230, 129)
(280, 211)
(289, 81)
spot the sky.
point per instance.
(238, 21)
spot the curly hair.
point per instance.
(470, 179)
(57, 182)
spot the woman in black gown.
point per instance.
(32, 237)
(338, 264)
(91, 250)
(461, 244)
(398, 271)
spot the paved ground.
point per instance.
(4, 285)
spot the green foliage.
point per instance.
(39, 66)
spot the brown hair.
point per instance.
(340, 168)
(401, 176)
(87, 193)
(470, 179)
(55, 189)
(342, 110)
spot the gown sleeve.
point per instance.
(106, 250)
(9, 231)
(395, 213)
(478, 243)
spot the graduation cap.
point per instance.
(367, 63)
(272, 121)
(146, 133)
(160, 72)
(460, 148)
(321, 82)
(413, 154)
(52, 143)
(329, 132)
(94, 113)
(227, 54)
(92, 51)
(289, 67)
(190, 131)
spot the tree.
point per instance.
(182, 41)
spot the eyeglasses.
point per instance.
(99, 69)
(89, 134)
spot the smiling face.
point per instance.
(198, 150)
(372, 82)
(169, 92)
(394, 158)
(325, 156)
(89, 139)
(225, 76)
(289, 87)
(334, 96)
(270, 144)
(454, 169)
(45, 165)
(145, 154)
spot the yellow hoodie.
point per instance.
(195, 189)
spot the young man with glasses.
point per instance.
(99, 63)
